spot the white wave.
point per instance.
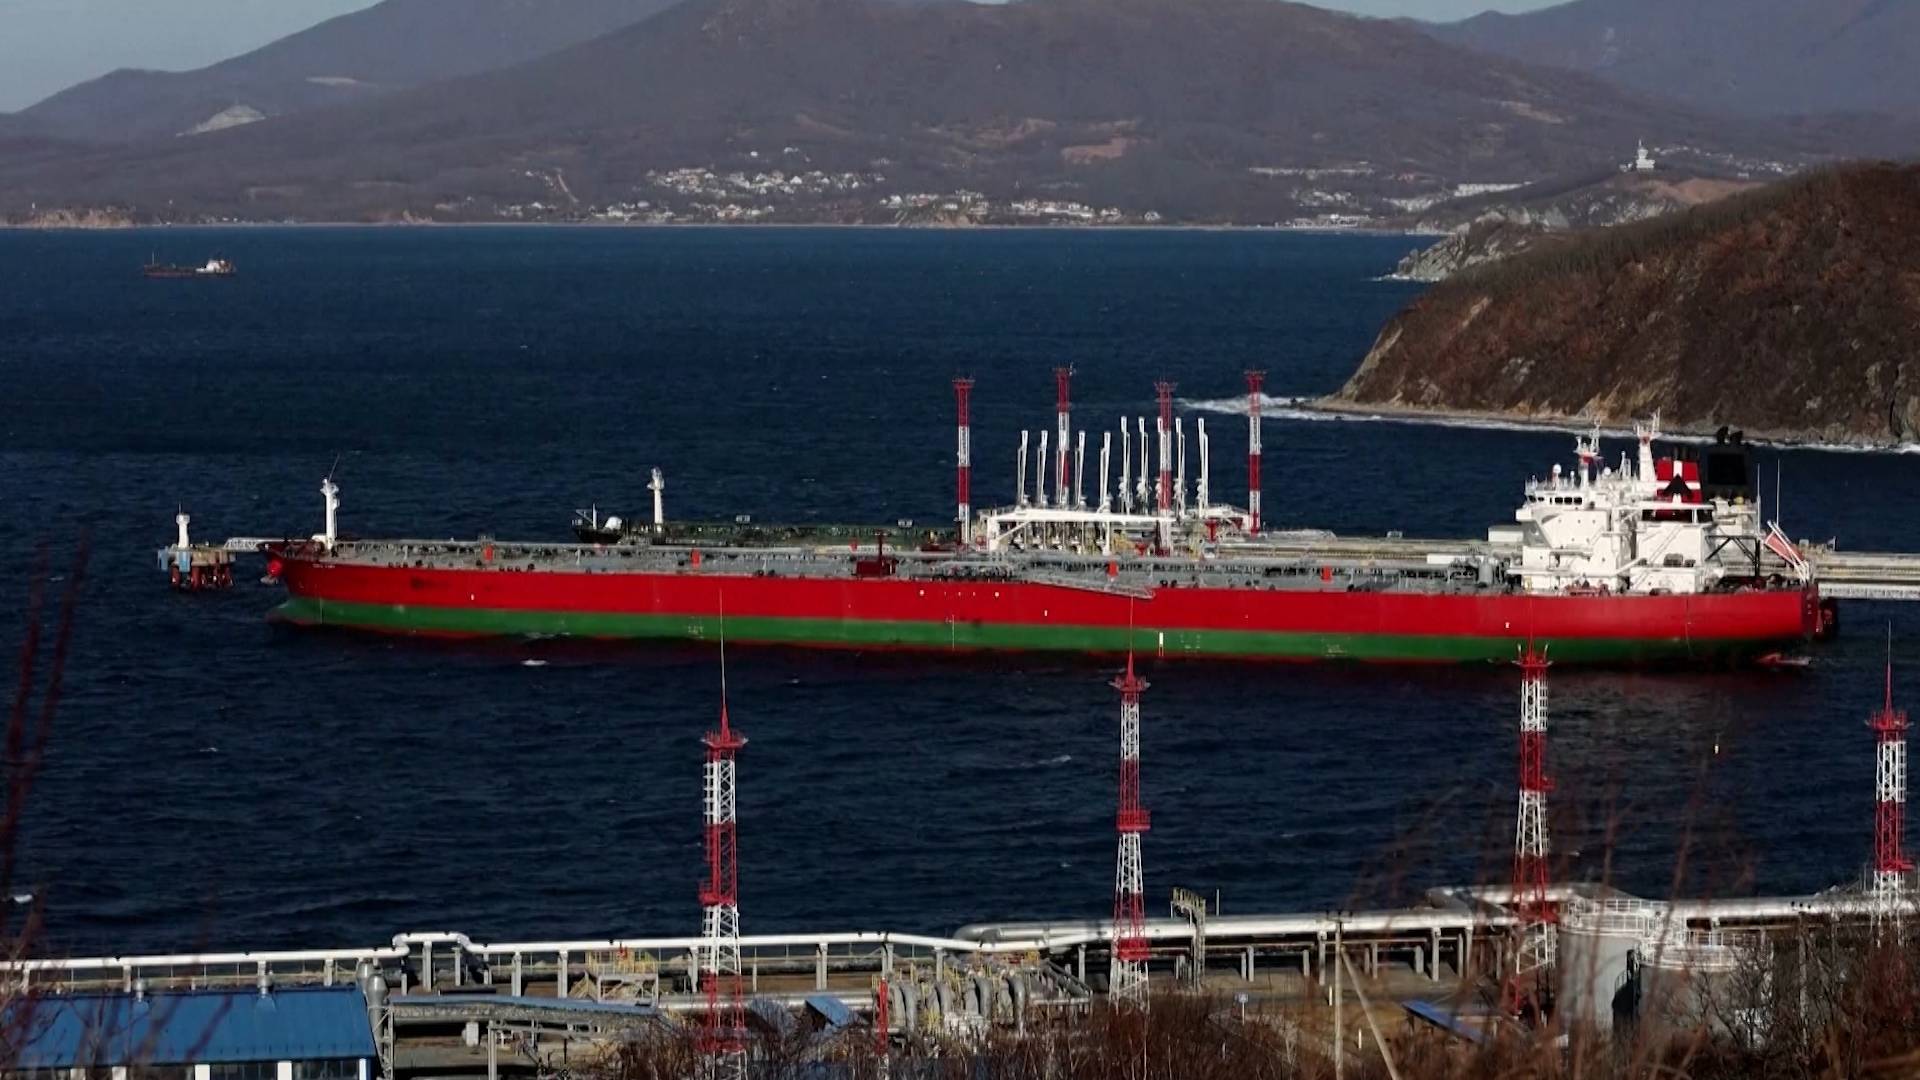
(1302, 409)
(23, 898)
(533, 663)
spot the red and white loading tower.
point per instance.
(1163, 390)
(723, 1051)
(1536, 939)
(963, 461)
(1254, 380)
(1127, 977)
(1891, 866)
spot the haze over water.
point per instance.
(214, 781)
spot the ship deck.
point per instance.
(1253, 566)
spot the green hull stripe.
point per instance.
(304, 611)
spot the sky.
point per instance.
(48, 45)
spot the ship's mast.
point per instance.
(963, 461)
(330, 497)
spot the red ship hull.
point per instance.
(864, 613)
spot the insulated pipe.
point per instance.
(1020, 473)
(1079, 470)
(1180, 473)
(1164, 391)
(963, 461)
(1040, 474)
(1254, 379)
(1106, 459)
(1142, 492)
(1200, 428)
(1062, 378)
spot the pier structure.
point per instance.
(191, 567)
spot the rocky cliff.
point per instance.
(1487, 240)
(1792, 311)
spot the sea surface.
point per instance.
(212, 781)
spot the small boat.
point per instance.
(1784, 661)
(213, 268)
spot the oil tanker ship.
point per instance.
(1655, 560)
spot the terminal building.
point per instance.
(300, 1033)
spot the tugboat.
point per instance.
(217, 268)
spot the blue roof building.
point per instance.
(305, 1033)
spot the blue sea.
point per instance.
(211, 780)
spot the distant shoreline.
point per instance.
(1315, 230)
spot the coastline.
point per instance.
(1317, 230)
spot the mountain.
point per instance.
(390, 46)
(1741, 57)
(1201, 110)
(1788, 311)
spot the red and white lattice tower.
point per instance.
(1062, 383)
(1890, 863)
(1164, 391)
(1530, 849)
(1254, 379)
(963, 461)
(1127, 978)
(723, 1051)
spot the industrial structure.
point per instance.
(722, 1044)
(1892, 869)
(1127, 979)
(1534, 944)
